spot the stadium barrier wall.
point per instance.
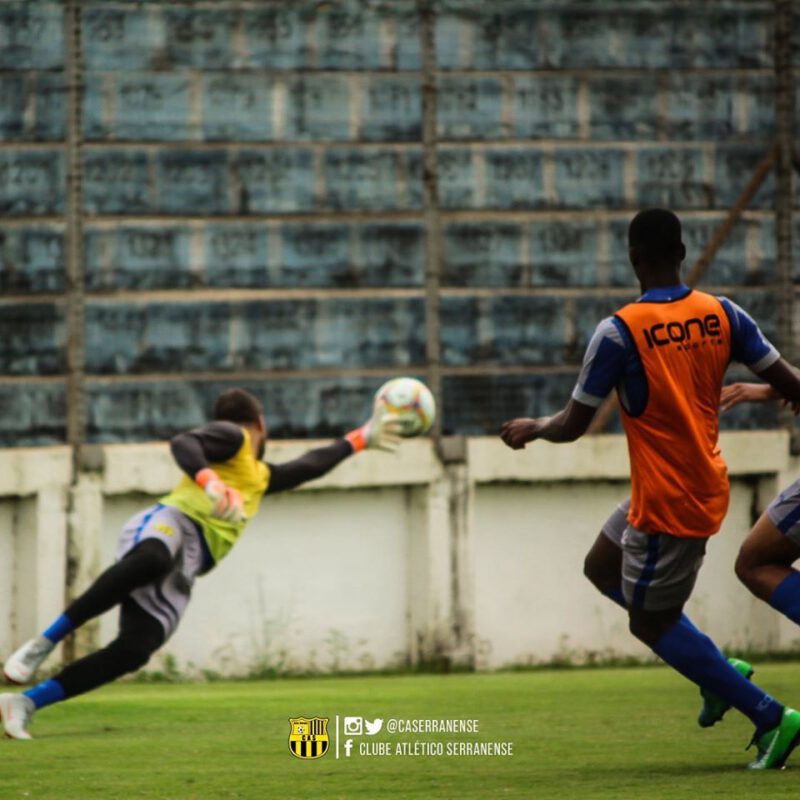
(387, 562)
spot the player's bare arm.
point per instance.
(783, 383)
(784, 379)
(567, 425)
(736, 393)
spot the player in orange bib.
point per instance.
(666, 355)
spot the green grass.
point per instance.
(600, 733)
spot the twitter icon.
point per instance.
(373, 727)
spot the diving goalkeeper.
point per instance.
(166, 546)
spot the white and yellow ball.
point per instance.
(411, 401)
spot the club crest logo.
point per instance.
(308, 737)
(162, 527)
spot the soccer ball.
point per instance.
(411, 400)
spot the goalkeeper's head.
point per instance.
(243, 408)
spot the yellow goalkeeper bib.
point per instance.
(243, 472)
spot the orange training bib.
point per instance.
(679, 481)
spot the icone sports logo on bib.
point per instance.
(684, 334)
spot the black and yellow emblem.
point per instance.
(308, 738)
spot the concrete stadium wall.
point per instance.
(388, 561)
(253, 197)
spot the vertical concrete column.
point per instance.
(441, 584)
(33, 516)
(51, 553)
(430, 614)
(38, 552)
(8, 574)
(40, 532)
(39, 561)
(27, 570)
(461, 497)
(84, 551)
(75, 269)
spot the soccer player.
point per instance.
(666, 354)
(165, 547)
(764, 563)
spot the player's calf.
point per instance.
(118, 658)
(131, 656)
(649, 626)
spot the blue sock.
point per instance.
(696, 657)
(59, 629)
(786, 597)
(46, 693)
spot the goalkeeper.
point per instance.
(165, 547)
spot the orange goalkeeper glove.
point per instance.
(227, 501)
(380, 432)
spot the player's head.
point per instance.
(654, 242)
(243, 408)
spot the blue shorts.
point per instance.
(784, 512)
(659, 571)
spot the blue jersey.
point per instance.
(611, 359)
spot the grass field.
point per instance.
(593, 733)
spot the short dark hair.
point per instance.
(656, 235)
(238, 405)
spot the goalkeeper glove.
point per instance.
(380, 432)
(227, 501)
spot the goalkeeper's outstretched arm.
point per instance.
(378, 433)
(310, 466)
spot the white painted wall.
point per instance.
(530, 595)
(8, 573)
(386, 561)
(531, 598)
(311, 585)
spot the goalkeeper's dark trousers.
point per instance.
(140, 634)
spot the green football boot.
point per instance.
(714, 707)
(775, 746)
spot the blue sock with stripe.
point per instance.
(696, 657)
(46, 693)
(59, 629)
(786, 597)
